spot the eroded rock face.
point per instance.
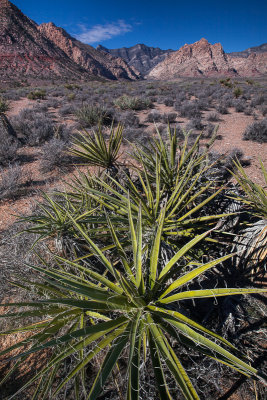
(254, 65)
(204, 59)
(197, 59)
(93, 61)
(47, 52)
(140, 56)
(25, 52)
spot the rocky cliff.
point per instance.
(204, 59)
(93, 61)
(25, 52)
(47, 52)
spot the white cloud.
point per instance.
(98, 33)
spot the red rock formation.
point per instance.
(254, 65)
(93, 61)
(204, 59)
(26, 51)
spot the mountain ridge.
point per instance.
(28, 51)
(32, 51)
(204, 59)
(140, 56)
(87, 56)
(262, 48)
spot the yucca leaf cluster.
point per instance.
(139, 242)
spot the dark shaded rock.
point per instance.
(140, 56)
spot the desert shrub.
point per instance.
(248, 111)
(4, 105)
(66, 109)
(10, 182)
(33, 127)
(236, 154)
(168, 101)
(53, 103)
(203, 104)
(237, 92)
(37, 95)
(58, 92)
(71, 96)
(227, 100)
(226, 82)
(132, 103)
(90, 115)
(154, 116)
(190, 109)
(128, 118)
(263, 110)
(177, 105)
(181, 96)
(209, 130)
(257, 100)
(72, 86)
(8, 151)
(151, 93)
(240, 105)
(213, 117)
(54, 155)
(40, 108)
(195, 123)
(169, 118)
(161, 128)
(256, 132)
(65, 132)
(135, 135)
(222, 108)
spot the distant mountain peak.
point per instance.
(95, 62)
(245, 53)
(45, 52)
(204, 59)
(139, 56)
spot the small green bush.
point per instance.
(4, 106)
(226, 82)
(238, 92)
(70, 86)
(132, 103)
(71, 96)
(37, 95)
(89, 115)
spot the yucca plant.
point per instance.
(131, 311)
(183, 218)
(176, 155)
(132, 103)
(252, 241)
(92, 148)
(53, 218)
(89, 115)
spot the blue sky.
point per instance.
(236, 24)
